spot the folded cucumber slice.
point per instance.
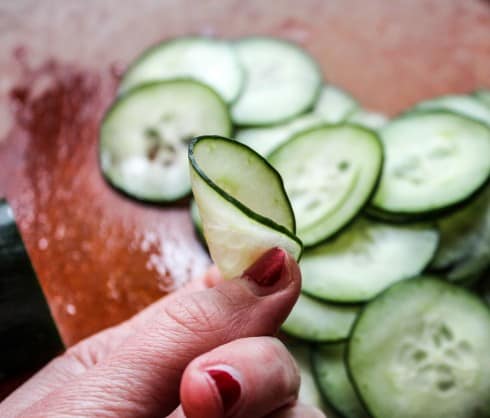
(242, 203)
(434, 161)
(465, 105)
(464, 251)
(420, 350)
(334, 383)
(368, 257)
(335, 105)
(210, 61)
(483, 95)
(28, 334)
(282, 81)
(318, 321)
(329, 173)
(265, 140)
(145, 135)
(196, 221)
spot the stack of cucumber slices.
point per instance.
(390, 219)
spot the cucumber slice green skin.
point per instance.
(331, 375)
(157, 63)
(415, 329)
(244, 111)
(366, 259)
(127, 137)
(197, 223)
(382, 209)
(356, 191)
(28, 334)
(317, 321)
(239, 225)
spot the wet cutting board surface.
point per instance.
(101, 257)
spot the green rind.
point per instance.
(237, 204)
(377, 212)
(386, 294)
(308, 106)
(127, 95)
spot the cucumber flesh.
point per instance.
(367, 258)
(282, 81)
(210, 61)
(318, 321)
(334, 383)
(372, 120)
(265, 140)
(421, 350)
(335, 105)
(145, 135)
(434, 161)
(28, 334)
(483, 96)
(242, 204)
(465, 105)
(329, 173)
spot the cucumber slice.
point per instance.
(421, 350)
(434, 161)
(210, 61)
(334, 383)
(463, 104)
(309, 393)
(265, 140)
(371, 120)
(242, 203)
(282, 81)
(318, 321)
(483, 95)
(464, 251)
(196, 221)
(28, 334)
(367, 258)
(329, 173)
(335, 105)
(146, 132)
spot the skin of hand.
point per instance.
(204, 352)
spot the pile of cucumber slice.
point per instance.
(390, 218)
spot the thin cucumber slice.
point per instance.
(335, 105)
(282, 81)
(459, 103)
(210, 61)
(464, 251)
(265, 140)
(434, 161)
(329, 173)
(28, 334)
(372, 120)
(318, 321)
(367, 258)
(242, 203)
(420, 350)
(196, 221)
(309, 393)
(334, 383)
(146, 132)
(483, 95)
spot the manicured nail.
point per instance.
(227, 385)
(268, 269)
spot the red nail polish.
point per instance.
(228, 387)
(267, 270)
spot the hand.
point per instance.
(212, 347)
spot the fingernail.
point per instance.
(268, 269)
(228, 387)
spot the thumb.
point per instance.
(142, 378)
